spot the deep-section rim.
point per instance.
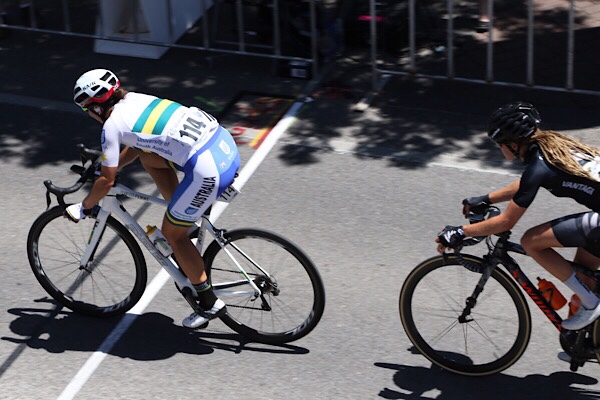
(318, 288)
(80, 307)
(511, 356)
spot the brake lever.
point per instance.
(78, 169)
(48, 199)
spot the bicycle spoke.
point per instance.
(444, 332)
(440, 290)
(289, 305)
(481, 331)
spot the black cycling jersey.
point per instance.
(540, 173)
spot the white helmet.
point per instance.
(95, 86)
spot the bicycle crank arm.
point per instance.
(186, 292)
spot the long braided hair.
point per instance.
(558, 151)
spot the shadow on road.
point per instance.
(427, 383)
(151, 337)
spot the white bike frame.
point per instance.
(111, 205)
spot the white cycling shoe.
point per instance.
(582, 318)
(562, 356)
(199, 321)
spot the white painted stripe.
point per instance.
(259, 155)
(475, 169)
(99, 355)
(163, 277)
(446, 161)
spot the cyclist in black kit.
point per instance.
(566, 168)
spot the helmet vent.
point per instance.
(81, 98)
(97, 85)
(101, 92)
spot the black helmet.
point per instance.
(513, 122)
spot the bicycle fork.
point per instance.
(471, 301)
(97, 231)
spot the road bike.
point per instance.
(468, 316)
(273, 291)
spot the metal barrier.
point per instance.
(208, 27)
(381, 72)
(87, 20)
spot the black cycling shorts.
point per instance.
(579, 230)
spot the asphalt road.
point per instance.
(363, 195)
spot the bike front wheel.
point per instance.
(112, 281)
(495, 333)
(291, 297)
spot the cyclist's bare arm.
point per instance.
(127, 156)
(500, 223)
(505, 194)
(102, 185)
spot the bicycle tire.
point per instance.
(289, 318)
(446, 346)
(108, 286)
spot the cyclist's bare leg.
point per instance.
(187, 254)
(165, 178)
(539, 242)
(585, 258)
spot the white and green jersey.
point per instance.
(154, 125)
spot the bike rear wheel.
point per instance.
(111, 283)
(292, 298)
(434, 296)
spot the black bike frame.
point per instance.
(517, 273)
(500, 256)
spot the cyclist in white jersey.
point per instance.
(166, 136)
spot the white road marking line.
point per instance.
(99, 355)
(163, 277)
(259, 155)
(454, 162)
